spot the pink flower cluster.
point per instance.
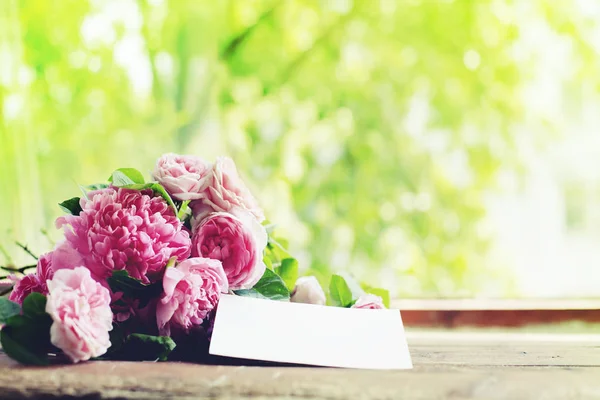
(226, 220)
(121, 228)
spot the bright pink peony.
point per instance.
(369, 301)
(238, 241)
(191, 291)
(308, 290)
(226, 190)
(80, 310)
(34, 282)
(124, 229)
(184, 177)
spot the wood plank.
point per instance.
(447, 366)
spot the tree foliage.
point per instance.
(370, 130)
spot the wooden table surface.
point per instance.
(448, 365)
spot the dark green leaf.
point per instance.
(270, 286)
(120, 281)
(34, 305)
(15, 348)
(8, 309)
(126, 176)
(71, 206)
(288, 271)
(26, 338)
(117, 339)
(140, 347)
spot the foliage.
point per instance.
(26, 337)
(375, 129)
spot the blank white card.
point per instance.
(267, 330)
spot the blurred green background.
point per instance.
(371, 131)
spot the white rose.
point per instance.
(309, 291)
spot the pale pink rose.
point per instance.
(65, 256)
(309, 291)
(184, 177)
(238, 241)
(122, 229)
(81, 314)
(191, 292)
(369, 301)
(226, 190)
(34, 282)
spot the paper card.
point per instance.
(267, 330)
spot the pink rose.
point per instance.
(309, 291)
(123, 229)
(34, 282)
(191, 291)
(226, 190)
(369, 301)
(80, 310)
(238, 241)
(184, 177)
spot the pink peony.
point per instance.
(309, 291)
(124, 229)
(238, 241)
(369, 301)
(191, 291)
(184, 177)
(80, 310)
(34, 282)
(226, 190)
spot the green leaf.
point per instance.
(383, 293)
(117, 339)
(71, 206)
(120, 281)
(34, 305)
(26, 338)
(183, 209)
(249, 293)
(270, 286)
(140, 347)
(126, 176)
(288, 271)
(276, 251)
(96, 186)
(268, 262)
(15, 348)
(341, 295)
(353, 285)
(8, 309)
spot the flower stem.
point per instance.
(26, 249)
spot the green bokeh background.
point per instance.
(343, 116)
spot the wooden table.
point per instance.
(448, 365)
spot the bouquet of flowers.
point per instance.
(142, 266)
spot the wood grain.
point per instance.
(452, 366)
